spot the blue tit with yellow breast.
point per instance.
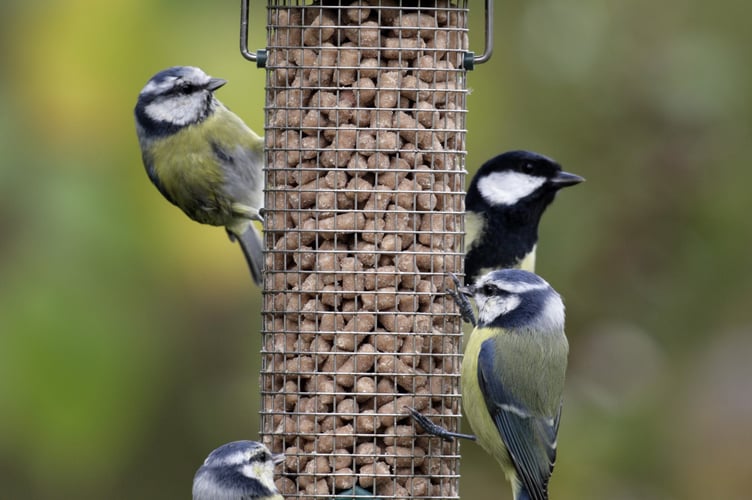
(512, 377)
(240, 470)
(202, 157)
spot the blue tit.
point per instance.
(512, 377)
(202, 157)
(503, 207)
(240, 470)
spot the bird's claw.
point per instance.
(428, 426)
(463, 303)
(436, 430)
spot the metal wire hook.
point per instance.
(259, 57)
(470, 59)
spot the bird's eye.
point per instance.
(489, 289)
(528, 167)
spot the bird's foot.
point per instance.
(436, 430)
(463, 303)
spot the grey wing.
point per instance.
(530, 439)
(243, 174)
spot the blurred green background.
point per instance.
(128, 334)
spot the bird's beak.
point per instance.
(278, 458)
(215, 83)
(467, 291)
(564, 179)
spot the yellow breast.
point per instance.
(474, 404)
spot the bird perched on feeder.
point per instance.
(503, 208)
(513, 377)
(240, 470)
(202, 157)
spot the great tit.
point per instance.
(240, 470)
(512, 377)
(503, 207)
(202, 157)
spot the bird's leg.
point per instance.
(463, 303)
(437, 430)
(247, 212)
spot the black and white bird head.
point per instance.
(238, 470)
(518, 177)
(174, 98)
(516, 299)
(504, 205)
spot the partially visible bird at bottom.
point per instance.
(240, 470)
(512, 377)
(202, 157)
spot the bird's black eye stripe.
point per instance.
(183, 88)
(490, 289)
(265, 456)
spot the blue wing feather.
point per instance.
(530, 439)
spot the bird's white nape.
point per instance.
(552, 315)
(508, 187)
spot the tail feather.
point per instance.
(253, 249)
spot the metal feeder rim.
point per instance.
(469, 60)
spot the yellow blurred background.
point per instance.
(129, 334)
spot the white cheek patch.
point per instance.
(493, 307)
(263, 472)
(509, 303)
(179, 110)
(250, 471)
(507, 188)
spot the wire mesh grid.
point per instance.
(365, 130)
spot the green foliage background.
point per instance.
(128, 334)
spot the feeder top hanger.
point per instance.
(469, 60)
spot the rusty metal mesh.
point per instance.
(365, 130)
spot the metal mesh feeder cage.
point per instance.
(365, 138)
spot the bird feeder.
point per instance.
(365, 174)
